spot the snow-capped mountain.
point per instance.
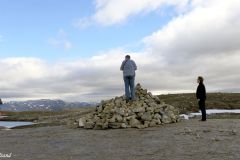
(42, 105)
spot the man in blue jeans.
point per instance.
(128, 67)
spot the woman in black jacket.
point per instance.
(201, 97)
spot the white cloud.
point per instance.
(205, 41)
(15, 71)
(111, 12)
(31, 77)
(85, 79)
(114, 11)
(205, 30)
(82, 23)
(60, 40)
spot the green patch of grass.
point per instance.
(45, 115)
(29, 115)
(187, 102)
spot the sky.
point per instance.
(72, 50)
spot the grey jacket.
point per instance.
(128, 67)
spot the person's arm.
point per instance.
(204, 92)
(201, 92)
(197, 93)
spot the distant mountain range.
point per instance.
(43, 105)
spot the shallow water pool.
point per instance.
(11, 124)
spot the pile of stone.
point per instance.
(146, 111)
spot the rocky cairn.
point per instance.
(146, 111)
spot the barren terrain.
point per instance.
(56, 137)
(188, 140)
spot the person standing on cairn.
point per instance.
(201, 97)
(128, 67)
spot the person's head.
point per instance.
(200, 79)
(127, 57)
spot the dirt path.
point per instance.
(187, 140)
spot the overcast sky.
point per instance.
(72, 50)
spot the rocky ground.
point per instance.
(186, 140)
(57, 136)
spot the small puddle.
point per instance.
(11, 124)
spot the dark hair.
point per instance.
(127, 56)
(200, 78)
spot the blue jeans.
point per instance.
(129, 87)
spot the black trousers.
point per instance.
(202, 107)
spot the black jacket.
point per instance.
(201, 92)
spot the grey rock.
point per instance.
(120, 111)
(146, 123)
(157, 116)
(105, 125)
(98, 125)
(150, 109)
(152, 124)
(124, 120)
(140, 126)
(115, 125)
(157, 121)
(146, 111)
(118, 101)
(147, 116)
(134, 122)
(150, 94)
(89, 125)
(165, 119)
(157, 100)
(123, 125)
(119, 118)
(139, 115)
(130, 117)
(130, 113)
(112, 120)
(82, 122)
(99, 108)
(107, 109)
(138, 109)
(96, 118)
(116, 118)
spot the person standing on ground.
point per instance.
(1, 104)
(201, 97)
(128, 67)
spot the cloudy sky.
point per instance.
(72, 50)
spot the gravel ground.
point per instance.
(187, 140)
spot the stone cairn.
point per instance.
(146, 111)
